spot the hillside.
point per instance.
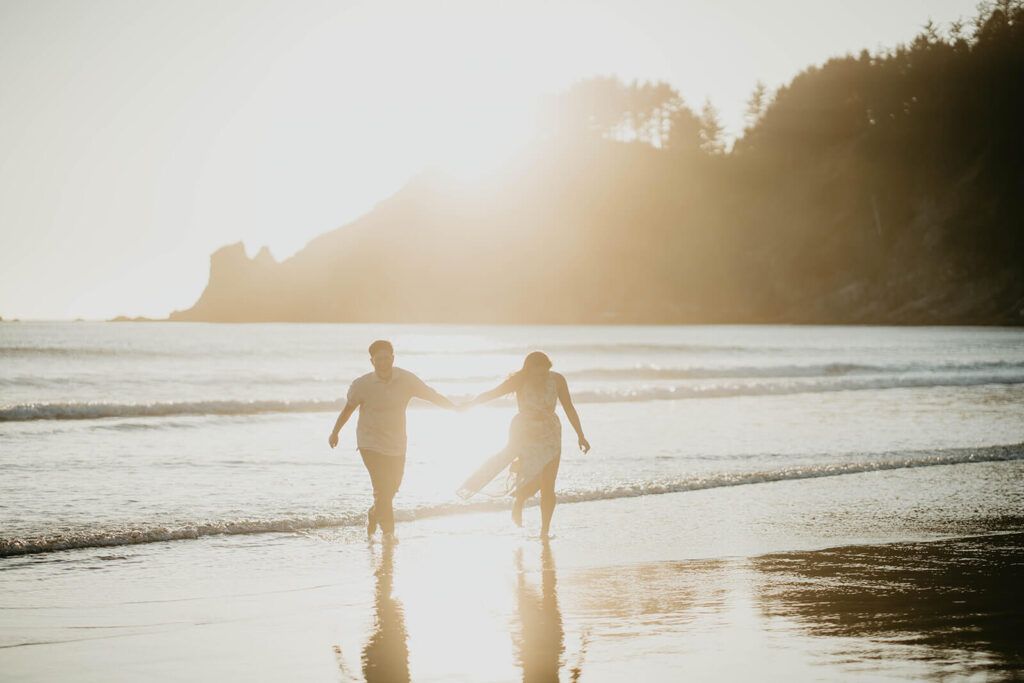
(884, 188)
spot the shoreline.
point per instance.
(884, 611)
(35, 546)
(655, 587)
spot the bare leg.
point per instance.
(522, 495)
(382, 504)
(386, 476)
(547, 496)
(371, 521)
(517, 511)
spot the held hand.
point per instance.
(333, 440)
(584, 445)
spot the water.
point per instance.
(831, 502)
(114, 434)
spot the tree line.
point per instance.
(889, 182)
(883, 187)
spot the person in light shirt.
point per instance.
(382, 397)
(535, 438)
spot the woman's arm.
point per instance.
(570, 411)
(506, 387)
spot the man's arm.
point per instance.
(428, 394)
(343, 417)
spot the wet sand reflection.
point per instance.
(539, 636)
(386, 654)
(956, 604)
(492, 609)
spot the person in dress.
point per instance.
(535, 437)
(381, 397)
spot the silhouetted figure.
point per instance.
(386, 655)
(541, 638)
(382, 397)
(535, 437)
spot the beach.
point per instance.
(707, 584)
(775, 503)
(494, 342)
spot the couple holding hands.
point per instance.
(535, 437)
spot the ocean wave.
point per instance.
(86, 352)
(638, 373)
(589, 348)
(16, 351)
(95, 410)
(890, 461)
(755, 386)
(775, 386)
(10, 547)
(654, 372)
(128, 535)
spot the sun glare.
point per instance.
(483, 142)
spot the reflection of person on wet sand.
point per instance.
(386, 655)
(540, 643)
(535, 437)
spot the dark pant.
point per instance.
(386, 476)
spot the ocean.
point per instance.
(133, 441)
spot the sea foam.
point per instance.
(152, 533)
(751, 382)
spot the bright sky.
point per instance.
(139, 136)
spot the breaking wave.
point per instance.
(123, 536)
(92, 411)
(745, 382)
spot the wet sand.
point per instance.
(819, 579)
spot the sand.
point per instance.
(791, 580)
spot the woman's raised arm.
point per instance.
(570, 411)
(506, 387)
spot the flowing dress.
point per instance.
(535, 440)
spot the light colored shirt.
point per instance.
(382, 405)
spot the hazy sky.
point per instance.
(137, 136)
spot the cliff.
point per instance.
(595, 234)
(885, 188)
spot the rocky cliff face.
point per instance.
(882, 188)
(613, 233)
(236, 287)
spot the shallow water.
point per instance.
(725, 460)
(116, 434)
(770, 581)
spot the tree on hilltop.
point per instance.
(711, 130)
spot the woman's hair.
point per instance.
(535, 360)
